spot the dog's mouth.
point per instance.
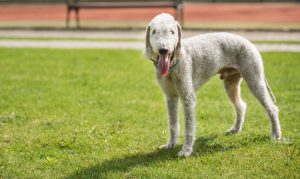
(163, 63)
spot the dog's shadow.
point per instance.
(203, 146)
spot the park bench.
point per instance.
(76, 5)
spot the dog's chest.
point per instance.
(169, 84)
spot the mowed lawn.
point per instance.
(100, 114)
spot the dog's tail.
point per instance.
(270, 91)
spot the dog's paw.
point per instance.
(185, 152)
(167, 146)
(233, 130)
(276, 136)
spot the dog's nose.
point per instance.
(163, 51)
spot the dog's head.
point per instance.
(163, 41)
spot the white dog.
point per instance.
(184, 65)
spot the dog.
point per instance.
(184, 65)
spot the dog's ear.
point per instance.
(148, 47)
(178, 49)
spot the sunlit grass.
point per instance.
(100, 114)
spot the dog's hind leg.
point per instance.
(232, 87)
(258, 87)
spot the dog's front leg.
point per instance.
(172, 105)
(189, 104)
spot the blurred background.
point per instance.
(198, 14)
(262, 21)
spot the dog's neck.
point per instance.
(175, 62)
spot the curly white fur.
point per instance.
(199, 58)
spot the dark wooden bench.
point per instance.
(76, 5)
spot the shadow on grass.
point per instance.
(205, 145)
(211, 144)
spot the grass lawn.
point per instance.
(99, 113)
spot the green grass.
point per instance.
(100, 114)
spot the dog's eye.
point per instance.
(172, 32)
(154, 32)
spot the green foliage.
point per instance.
(99, 113)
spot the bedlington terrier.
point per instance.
(184, 65)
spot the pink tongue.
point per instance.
(163, 64)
